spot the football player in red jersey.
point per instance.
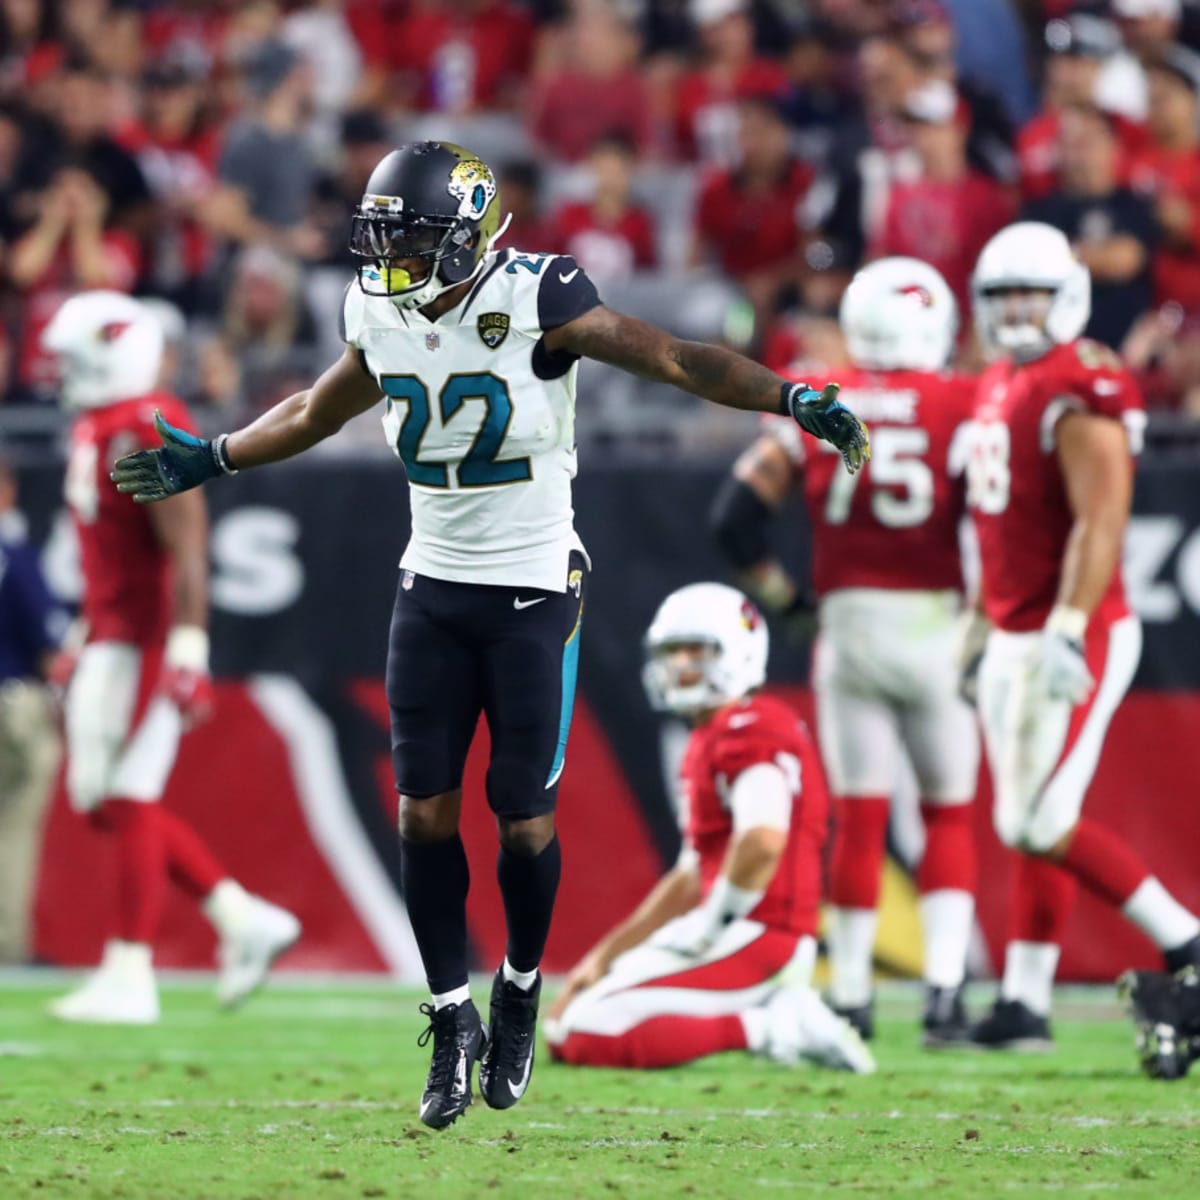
(697, 968)
(886, 570)
(142, 674)
(1058, 421)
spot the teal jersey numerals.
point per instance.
(482, 465)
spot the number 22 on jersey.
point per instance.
(409, 418)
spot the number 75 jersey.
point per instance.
(483, 417)
(894, 525)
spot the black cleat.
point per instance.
(860, 1016)
(1187, 955)
(508, 1061)
(459, 1041)
(945, 1019)
(1012, 1025)
(1166, 1017)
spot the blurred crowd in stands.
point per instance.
(721, 166)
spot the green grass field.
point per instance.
(312, 1092)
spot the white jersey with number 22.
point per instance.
(483, 418)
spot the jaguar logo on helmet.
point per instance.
(473, 186)
(493, 328)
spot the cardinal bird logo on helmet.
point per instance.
(921, 294)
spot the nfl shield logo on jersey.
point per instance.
(493, 328)
(433, 341)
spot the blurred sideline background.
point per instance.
(718, 166)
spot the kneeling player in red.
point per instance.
(718, 956)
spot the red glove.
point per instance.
(185, 678)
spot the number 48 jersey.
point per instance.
(483, 417)
(894, 525)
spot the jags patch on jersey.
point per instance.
(493, 328)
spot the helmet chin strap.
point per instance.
(428, 291)
(1032, 342)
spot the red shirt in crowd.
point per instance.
(946, 224)
(894, 524)
(572, 111)
(757, 730)
(752, 230)
(464, 60)
(609, 251)
(1037, 151)
(126, 571)
(1159, 172)
(1015, 485)
(180, 172)
(706, 120)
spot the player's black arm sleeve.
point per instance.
(564, 294)
(739, 520)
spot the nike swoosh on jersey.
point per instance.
(1107, 387)
(740, 719)
(568, 276)
(519, 603)
(518, 1086)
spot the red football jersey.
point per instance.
(1015, 487)
(894, 524)
(759, 730)
(126, 572)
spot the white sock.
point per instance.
(458, 995)
(1160, 916)
(755, 1024)
(851, 933)
(946, 916)
(523, 979)
(127, 957)
(1029, 969)
(226, 906)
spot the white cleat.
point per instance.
(260, 933)
(121, 991)
(800, 1025)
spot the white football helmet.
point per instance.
(1030, 255)
(899, 313)
(110, 348)
(732, 629)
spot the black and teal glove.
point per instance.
(183, 461)
(824, 416)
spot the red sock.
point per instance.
(949, 859)
(190, 862)
(141, 865)
(1103, 863)
(1042, 896)
(664, 1041)
(856, 861)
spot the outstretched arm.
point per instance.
(292, 426)
(712, 372)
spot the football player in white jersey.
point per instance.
(474, 352)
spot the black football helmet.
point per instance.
(431, 201)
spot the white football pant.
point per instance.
(885, 673)
(1043, 752)
(121, 738)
